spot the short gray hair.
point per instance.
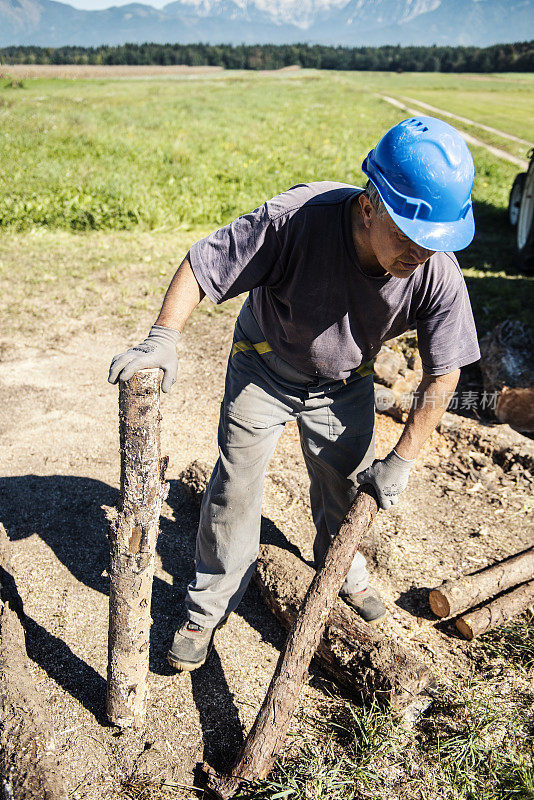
(374, 198)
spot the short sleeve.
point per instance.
(239, 257)
(446, 329)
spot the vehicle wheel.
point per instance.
(525, 224)
(515, 198)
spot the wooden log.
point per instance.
(497, 612)
(267, 734)
(359, 658)
(133, 535)
(452, 597)
(29, 767)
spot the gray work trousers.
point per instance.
(336, 426)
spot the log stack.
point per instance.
(453, 597)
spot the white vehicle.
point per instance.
(521, 215)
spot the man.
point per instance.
(332, 272)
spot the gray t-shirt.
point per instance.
(317, 309)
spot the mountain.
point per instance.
(337, 22)
(426, 22)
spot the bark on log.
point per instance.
(358, 657)
(497, 612)
(268, 732)
(133, 537)
(29, 768)
(452, 597)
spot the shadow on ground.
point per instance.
(66, 513)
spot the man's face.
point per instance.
(394, 251)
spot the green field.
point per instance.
(178, 158)
(99, 154)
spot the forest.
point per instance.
(517, 57)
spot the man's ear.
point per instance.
(367, 210)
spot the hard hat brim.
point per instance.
(439, 236)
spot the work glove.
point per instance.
(389, 477)
(157, 350)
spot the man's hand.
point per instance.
(157, 350)
(389, 477)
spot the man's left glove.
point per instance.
(389, 477)
(157, 350)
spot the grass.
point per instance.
(501, 101)
(120, 154)
(103, 154)
(512, 642)
(93, 282)
(143, 168)
(472, 744)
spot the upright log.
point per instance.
(496, 613)
(454, 596)
(133, 537)
(29, 767)
(268, 732)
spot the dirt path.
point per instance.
(496, 151)
(59, 447)
(469, 122)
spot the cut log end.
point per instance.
(497, 612)
(439, 603)
(465, 629)
(469, 591)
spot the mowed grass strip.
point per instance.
(502, 101)
(58, 282)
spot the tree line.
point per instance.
(517, 57)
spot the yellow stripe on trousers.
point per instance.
(260, 347)
(264, 347)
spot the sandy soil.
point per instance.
(59, 448)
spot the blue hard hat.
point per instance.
(424, 173)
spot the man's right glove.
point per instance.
(157, 350)
(389, 477)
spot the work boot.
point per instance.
(368, 604)
(191, 646)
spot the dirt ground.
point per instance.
(74, 71)
(59, 450)
(23, 71)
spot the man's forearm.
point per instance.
(429, 404)
(182, 297)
